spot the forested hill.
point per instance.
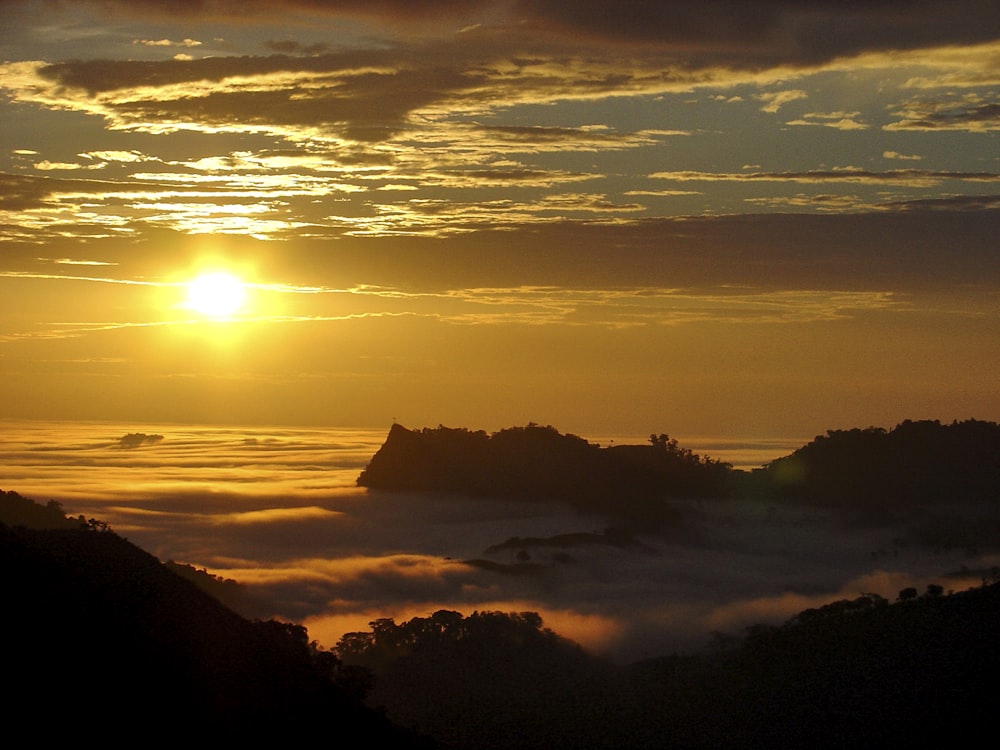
(539, 463)
(917, 462)
(102, 640)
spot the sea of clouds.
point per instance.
(278, 510)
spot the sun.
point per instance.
(216, 295)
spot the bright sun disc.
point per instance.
(216, 295)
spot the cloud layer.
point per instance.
(321, 139)
(277, 511)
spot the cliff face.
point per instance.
(442, 460)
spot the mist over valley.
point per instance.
(280, 513)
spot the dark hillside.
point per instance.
(915, 463)
(924, 672)
(863, 673)
(17, 510)
(98, 632)
(489, 681)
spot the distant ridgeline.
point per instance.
(539, 463)
(916, 462)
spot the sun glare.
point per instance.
(216, 295)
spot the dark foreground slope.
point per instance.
(921, 672)
(97, 633)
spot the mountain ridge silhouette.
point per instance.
(916, 464)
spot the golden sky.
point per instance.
(714, 217)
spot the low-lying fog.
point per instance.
(278, 511)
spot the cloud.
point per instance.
(612, 307)
(973, 113)
(22, 192)
(413, 114)
(251, 204)
(277, 510)
(73, 262)
(631, 307)
(277, 516)
(916, 177)
(128, 157)
(48, 166)
(836, 120)
(764, 32)
(764, 251)
(773, 101)
(755, 29)
(958, 203)
(753, 33)
(532, 139)
(819, 202)
(716, 575)
(279, 94)
(366, 96)
(362, 96)
(433, 217)
(663, 193)
(292, 47)
(167, 43)
(251, 11)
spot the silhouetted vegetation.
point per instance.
(626, 483)
(872, 472)
(489, 680)
(16, 510)
(916, 463)
(855, 673)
